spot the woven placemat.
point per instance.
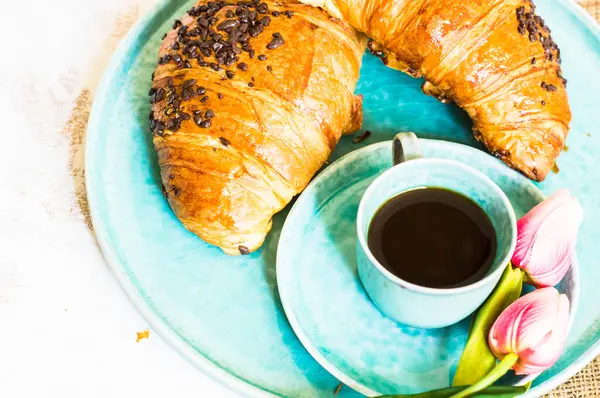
(586, 383)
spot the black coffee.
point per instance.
(433, 237)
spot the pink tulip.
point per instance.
(546, 238)
(534, 328)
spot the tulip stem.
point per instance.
(499, 370)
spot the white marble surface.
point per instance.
(66, 328)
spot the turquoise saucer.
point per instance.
(326, 303)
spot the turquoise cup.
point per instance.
(415, 305)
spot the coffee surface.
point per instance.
(433, 237)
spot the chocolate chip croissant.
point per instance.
(494, 58)
(248, 101)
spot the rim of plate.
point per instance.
(156, 323)
(500, 264)
(283, 274)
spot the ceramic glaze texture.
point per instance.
(224, 313)
(416, 306)
(326, 302)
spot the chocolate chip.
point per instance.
(244, 27)
(250, 84)
(228, 23)
(197, 118)
(266, 20)
(171, 176)
(229, 74)
(194, 11)
(269, 68)
(195, 32)
(242, 66)
(276, 13)
(229, 61)
(214, 67)
(288, 13)
(361, 137)
(205, 124)
(164, 36)
(262, 57)
(220, 96)
(276, 42)
(209, 114)
(551, 87)
(177, 191)
(533, 61)
(204, 99)
(229, 14)
(200, 90)
(184, 116)
(543, 102)
(263, 8)
(203, 34)
(224, 141)
(189, 83)
(243, 250)
(187, 94)
(236, 49)
(175, 46)
(173, 124)
(176, 24)
(158, 95)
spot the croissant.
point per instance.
(494, 58)
(248, 101)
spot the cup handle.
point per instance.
(405, 147)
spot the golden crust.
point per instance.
(495, 59)
(274, 124)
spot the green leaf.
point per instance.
(477, 359)
(490, 392)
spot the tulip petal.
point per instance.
(528, 225)
(546, 353)
(534, 327)
(538, 318)
(547, 237)
(553, 252)
(525, 322)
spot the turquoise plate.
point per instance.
(224, 314)
(326, 303)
